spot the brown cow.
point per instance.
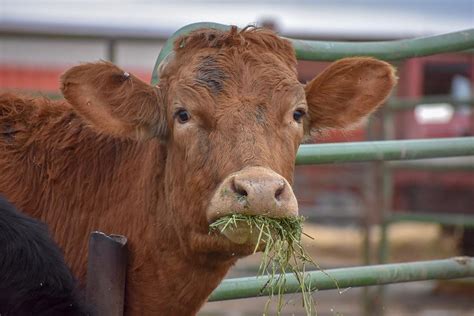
(154, 163)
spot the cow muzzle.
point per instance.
(252, 191)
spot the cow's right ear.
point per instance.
(115, 102)
(347, 92)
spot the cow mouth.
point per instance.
(252, 230)
(238, 232)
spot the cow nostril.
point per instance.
(279, 192)
(241, 192)
(238, 189)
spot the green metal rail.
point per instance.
(385, 150)
(330, 51)
(387, 50)
(343, 278)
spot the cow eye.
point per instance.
(182, 115)
(298, 115)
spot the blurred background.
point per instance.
(431, 202)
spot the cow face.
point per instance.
(231, 115)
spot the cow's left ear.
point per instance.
(115, 102)
(347, 91)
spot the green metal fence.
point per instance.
(366, 151)
(390, 216)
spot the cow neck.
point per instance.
(182, 280)
(168, 277)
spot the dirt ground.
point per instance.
(334, 247)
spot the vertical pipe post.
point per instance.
(373, 132)
(106, 274)
(111, 46)
(386, 214)
(386, 204)
(369, 200)
(374, 191)
(366, 238)
(387, 190)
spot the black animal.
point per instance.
(34, 280)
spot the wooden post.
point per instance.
(106, 274)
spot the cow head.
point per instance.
(230, 113)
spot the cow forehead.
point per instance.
(211, 58)
(211, 73)
(236, 73)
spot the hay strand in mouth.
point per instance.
(280, 241)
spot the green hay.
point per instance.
(283, 253)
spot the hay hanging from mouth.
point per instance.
(280, 240)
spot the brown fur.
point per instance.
(107, 97)
(113, 157)
(362, 81)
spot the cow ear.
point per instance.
(347, 91)
(115, 102)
